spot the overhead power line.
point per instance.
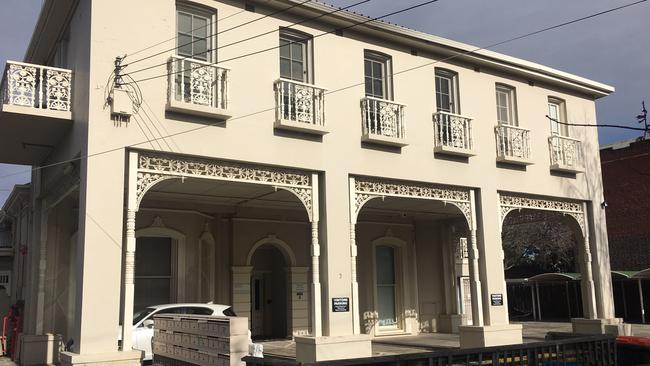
(356, 24)
(259, 35)
(274, 108)
(595, 125)
(221, 32)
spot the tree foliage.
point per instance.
(539, 244)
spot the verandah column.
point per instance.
(42, 267)
(475, 281)
(589, 298)
(316, 315)
(356, 326)
(129, 252)
(488, 291)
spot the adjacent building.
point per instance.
(324, 174)
(626, 173)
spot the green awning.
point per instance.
(625, 275)
(555, 277)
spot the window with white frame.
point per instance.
(377, 75)
(506, 105)
(195, 28)
(447, 91)
(386, 285)
(153, 272)
(295, 56)
(557, 116)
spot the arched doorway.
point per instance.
(269, 292)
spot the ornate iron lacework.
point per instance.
(154, 168)
(58, 90)
(22, 85)
(193, 167)
(148, 180)
(510, 202)
(201, 84)
(369, 188)
(304, 195)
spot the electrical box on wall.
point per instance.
(122, 105)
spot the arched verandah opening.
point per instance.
(406, 275)
(543, 253)
(222, 209)
(547, 234)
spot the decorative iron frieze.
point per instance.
(511, 201)
(154, 168)
(304, 195)
(369, 188)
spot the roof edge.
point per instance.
(598, 89)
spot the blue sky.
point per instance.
(613, 48)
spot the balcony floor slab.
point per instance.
(514, 160)
(303, 127)
(566, 168)
(456, 151)
(383, 140)
(29, 134)
(198, 110)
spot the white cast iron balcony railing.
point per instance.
(299, 107)
(198, 87)
(36, 89)
(453, 134)
(566, 154)
(513, 145)
(383, 122)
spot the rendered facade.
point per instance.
(340, 185)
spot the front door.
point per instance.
(257, 304)
(388, 301)
(269, 294)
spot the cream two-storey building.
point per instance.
(333, 180)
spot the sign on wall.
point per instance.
(340, 304)
(496, 299)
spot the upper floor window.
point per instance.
(447, 91)
(295, 56)
(506, 105)
(195, 33)
(378, 75)
(557, 115)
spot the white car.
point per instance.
(143, 321)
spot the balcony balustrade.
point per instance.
(383, 122)
(453, 134)
(566, 154)
(198, 87)
(35, 111)
(36, 87)
(513, 145)
(299, 107)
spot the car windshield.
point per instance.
(137, 317)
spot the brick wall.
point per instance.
(626, 179)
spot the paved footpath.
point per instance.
(6, 361)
